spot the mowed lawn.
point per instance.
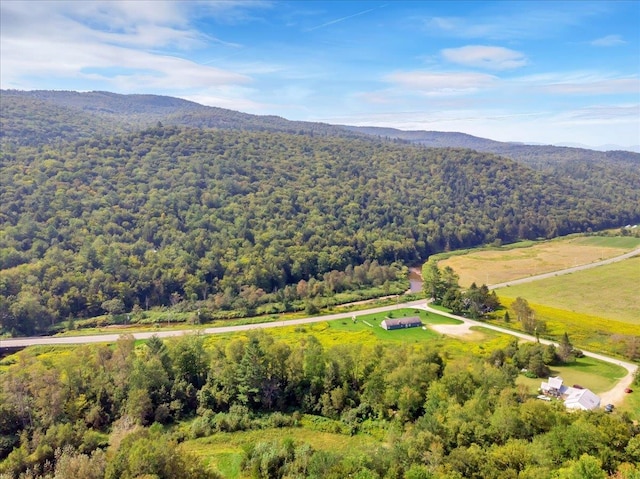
(366, 330)
(494, 266)
(610, 291)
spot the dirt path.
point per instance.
(616, 394)
(460, 330)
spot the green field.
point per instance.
(622, 242)
(611, 291)
(632, 403)
(224, 451)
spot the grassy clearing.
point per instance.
(482, 345)
(592, 333)
(610, 291)
(158, 320)
(498, 265)
(345, 331)
(587, 372)
(223, 451)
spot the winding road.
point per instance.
(613, 396)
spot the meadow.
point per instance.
(499, 265)
(611, 291)
(598, 308)
(223, 451)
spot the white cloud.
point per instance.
(117, 45)
(385, 97)
(540, 126)
(481, 56)
(434, 83)
(605, 113)
(608, 41)
(516, 20)
(606, 86)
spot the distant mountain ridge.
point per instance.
(534, 155)
(607, 147)
(72, 115)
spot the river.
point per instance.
(415, 279)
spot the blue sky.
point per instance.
(546, 72)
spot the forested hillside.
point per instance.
(50, 117)
(153, 217)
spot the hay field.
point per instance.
(506, 264)
(611, 291)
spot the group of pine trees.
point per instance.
(443, 288)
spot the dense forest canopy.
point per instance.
(150, 217)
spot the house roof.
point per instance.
(574, 398)
(555, 383)
(411, 320)
(581, 399)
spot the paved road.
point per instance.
(614, 394)
(110, 338)
(561, 272)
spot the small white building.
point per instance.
(574, 398)
(553, 387)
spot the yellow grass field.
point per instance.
(502, 265)
(611, 292)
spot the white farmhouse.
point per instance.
(574, 397)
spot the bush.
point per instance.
(201, 427)
(279, 419)
(237, 419)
